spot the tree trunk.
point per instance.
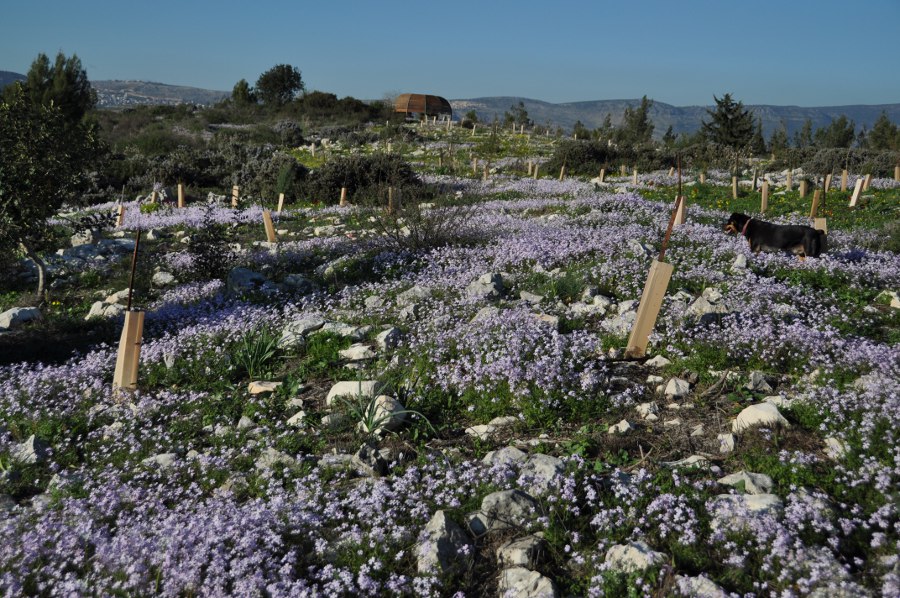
(41, 268)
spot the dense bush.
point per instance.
(812, 160)
(365, 177)
(588, 157)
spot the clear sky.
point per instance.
(790, 52)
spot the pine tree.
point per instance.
(64, 84)
(758, 142)
(637, 128)
(804, 137)
(669, 137)
(884, 134)
(840, 133)
(242, 94)
(731, 124)
(778, 142)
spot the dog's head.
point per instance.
(736, 223)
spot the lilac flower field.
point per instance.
(493, 440)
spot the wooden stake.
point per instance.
(623, 170)
(790, 181)
(856, 190)
(602, 175)
(390, 206)
(530, 166)
(844, 177)
(734, 187)
(280, 202)
(474, 165)
(153, 196)
(180, 195)
(828, 181)
(671, 170)
(867, 182)
(129, 355)
(702, 178)
(343, 196)
(634, 177)
(270, 228)
(755, 178)
(235, 196)
(474, 127)
(815, 203)
(562, 172)
(764, 203)
(537, 167)
(120, 219)
(897, 173)
(804, 188)
(484, 174)
(821, 224)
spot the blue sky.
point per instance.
(803, 52)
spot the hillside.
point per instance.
(682, 119)
(111, 94)
(7, 77)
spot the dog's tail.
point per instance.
(818, 244)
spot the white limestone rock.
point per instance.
(752, 483)
(633, 557)
(524, 583)
(17, 316)
(677, 389)
(358, 352)
(361, 389)
(443, 546)
(623, 427)
(522, 552)
(502, 510)
(759, 414)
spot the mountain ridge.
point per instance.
(591, 113)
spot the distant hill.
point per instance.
(683, 119)
(7, 77)
(113, 94)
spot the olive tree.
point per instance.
(43, 161)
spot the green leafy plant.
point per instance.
(255, 352)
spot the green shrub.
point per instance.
(363, 176)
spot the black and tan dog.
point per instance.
(803, 241)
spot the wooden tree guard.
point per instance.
(828, 181)
(734, 187)
(671, 170)
(680, 210)
(602, 175)
(474, 165)
(153, 196)
(702, 178)
(764, 203)
(270, 228)
(562, 172)
(391, 207)
(867, 182)
(180, 195)
(815, 203)
(125, 376)
(652, 297)
(804, 188)
(844, 178)
(634, 177)
(235, 196)
(129, 355)
(623, 170)
(120, 219)
(821, 224)
(856, 190)
(343, 196)
(530, 166)
(474, 128)
(280, 202)
(537, 168)
(790, 181)
(897, 173)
